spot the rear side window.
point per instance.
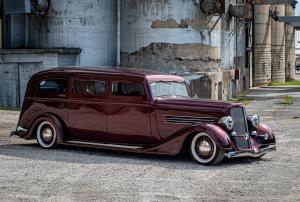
(88, 87)
(127, 89)
(53, 87)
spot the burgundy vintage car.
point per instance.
(136, 111)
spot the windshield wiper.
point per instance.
(167, 82)
(170, 95)
(182, 96)
(164, 95)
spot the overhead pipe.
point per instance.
(273, 2)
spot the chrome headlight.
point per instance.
(227, 122)
(255, 120)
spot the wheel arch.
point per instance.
(218, 134)
(178, 142)
(58, 122)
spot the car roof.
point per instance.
(110, 70)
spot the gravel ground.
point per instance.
(29, 173)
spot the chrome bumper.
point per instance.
(19, 131)
(250, 153)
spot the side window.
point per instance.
(53, 87)
(127, 89)
(88, 87)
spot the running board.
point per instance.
(103, 145)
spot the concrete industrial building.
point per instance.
(221, 47)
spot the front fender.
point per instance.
(173, 144)
(264, 129)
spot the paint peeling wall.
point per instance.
(177, 37)
(168, 27)
(87, 24)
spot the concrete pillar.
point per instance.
(290, 46)
(278, 46)
(89, 25)
(262, 46)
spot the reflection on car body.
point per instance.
(137, 111)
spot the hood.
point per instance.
(196, 104)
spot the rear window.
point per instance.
(88, 87)
(127, 89)
(53, 87)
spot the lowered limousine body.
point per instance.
(136, 111)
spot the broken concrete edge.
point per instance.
(186, 51)
(185, 23)
(41, 51)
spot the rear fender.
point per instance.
(46, 117)
(174, 144)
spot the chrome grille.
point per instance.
(240, 126)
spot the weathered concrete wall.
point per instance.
(87, 24)
(262, 46)
(228, 45)
(174, 58)
(168, 27)
(9, 85)
(48, 58)
(177, 37)
(13, 82)
(290, 46)
(17, 66)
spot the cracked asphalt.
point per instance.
(29, 173)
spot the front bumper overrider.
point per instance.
(251, 153)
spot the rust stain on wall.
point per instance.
(169, 23)
(185, 23)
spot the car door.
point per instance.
(128, 113)
(87, 109)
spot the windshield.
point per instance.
(169, 89)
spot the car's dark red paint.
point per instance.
(146, 124)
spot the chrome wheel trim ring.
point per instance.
(41, 134)
(194, 147)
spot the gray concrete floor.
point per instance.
(29, 173)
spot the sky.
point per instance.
(298, 8)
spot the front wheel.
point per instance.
(46, 135)
(203, 150)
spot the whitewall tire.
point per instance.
(46, 135)
(204, 150)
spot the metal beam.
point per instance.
(294, 21)
(273, 2)
(289, 19)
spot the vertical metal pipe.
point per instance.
(252, 70)
(119, 34)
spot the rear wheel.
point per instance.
(204, 150)
(46, 135)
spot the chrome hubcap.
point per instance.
(47, 134)
(205, 148)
